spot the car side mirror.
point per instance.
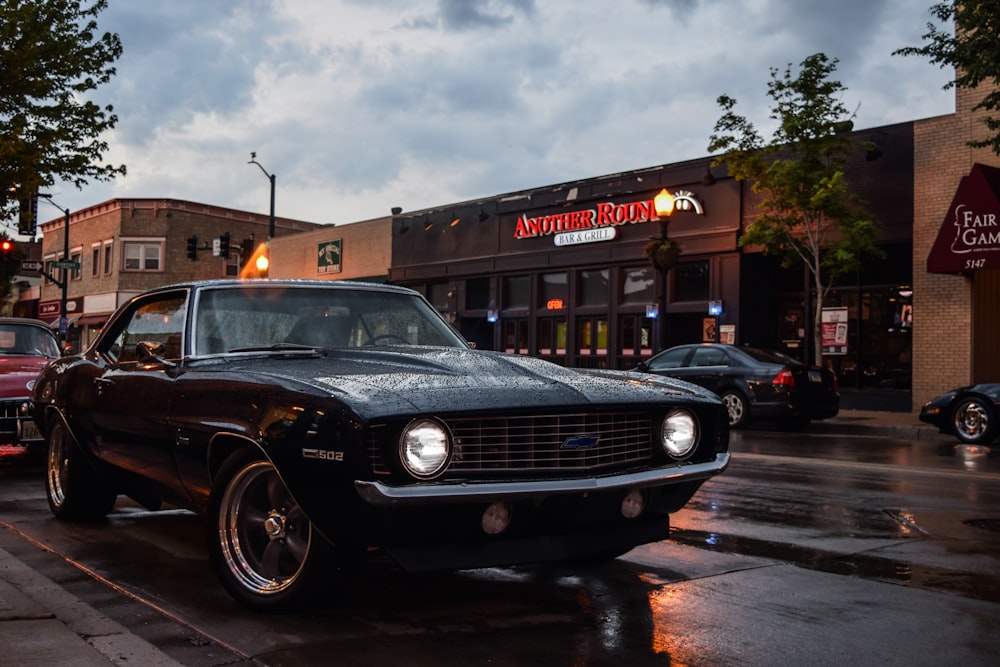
(150, 353)
(641, 366)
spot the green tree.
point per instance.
(973, 50)
(51, 57)
(807, 213)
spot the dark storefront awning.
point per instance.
(70, 321)
(93, 320)
(969, 238)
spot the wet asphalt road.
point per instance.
(810, 549)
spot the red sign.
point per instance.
(604, 215)
(969, 238)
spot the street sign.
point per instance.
(31, 265)
(66, 265)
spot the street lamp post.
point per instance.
(662, 254)
(270, 177)
(63, 319)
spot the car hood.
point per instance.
(387, 381)
(17, 374)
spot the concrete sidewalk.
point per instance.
(41, 624)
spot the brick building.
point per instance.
(122, 247)
(955, 314)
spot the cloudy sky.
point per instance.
(361, 105)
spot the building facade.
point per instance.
(358, 251)
(562, 272)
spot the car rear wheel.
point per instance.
(736, 406)
(264, 548)
(74, 488)
(974, 421)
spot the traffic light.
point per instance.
(6, 248)
(192, 248)
(224, 245)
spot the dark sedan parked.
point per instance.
(969, 413)
(753, 382)
(313, 420)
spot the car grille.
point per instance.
(8, 419)
(562, 442)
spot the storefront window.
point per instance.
(553, 291)
(516, 292)
(477, 294)
(638, 285)
(439, 295)
(594, 288)
(691, 281)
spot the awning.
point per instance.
(70, 321)
(93, 320)
(969, 238)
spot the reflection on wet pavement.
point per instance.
(864, 565)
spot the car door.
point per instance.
(132, 392)
(708, 367)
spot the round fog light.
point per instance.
(496, 518)
(633, 504)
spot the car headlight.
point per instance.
(424, 448)
(679, 433)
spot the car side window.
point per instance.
(158, 321)
(669, 359)
(709, 356)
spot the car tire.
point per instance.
(974, 421)
(264, 549)
(736, 407)
(75, 489)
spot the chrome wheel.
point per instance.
(735, 407)
(57, 468)
(265, 538)
(973, 421)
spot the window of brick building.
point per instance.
(107, 257)
(142, 255)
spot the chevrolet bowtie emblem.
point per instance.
(580, 442)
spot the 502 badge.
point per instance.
(323, 454)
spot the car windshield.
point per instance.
(239, 319)
(28, 340)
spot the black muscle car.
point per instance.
(972, 413)
(311, 421)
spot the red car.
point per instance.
(26, 346)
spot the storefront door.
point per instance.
(592, 342)
(635, 340)
(515, 335)
(552, 339)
